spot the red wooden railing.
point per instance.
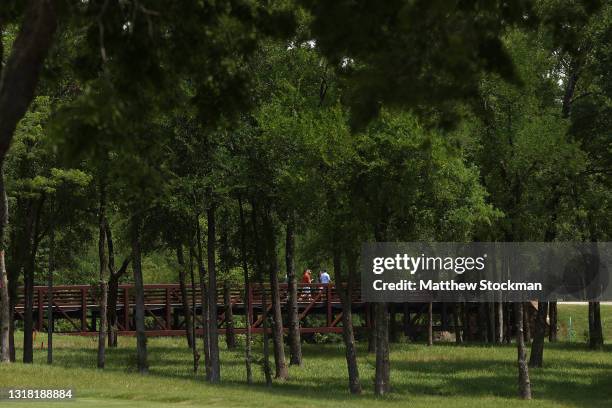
(78, 305)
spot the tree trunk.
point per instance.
(523, 370)
(247, 299)
(430, 324)
(51, 269)
(180, 257)
(348, 334)
(295, 343)
(194, 347)
(382, 381)
(499, 322)
(104, 268)
(537, 348)
(372, 329)
(527, 322)
(5, 304)
(230, 336)
(552, 322)
(113, 287)
(23, 66)
(277, 329)
(28, 277)
(596, 339)
(139, 314)
(456, 312)
(213, 335)
(393, 336)
(266, 342)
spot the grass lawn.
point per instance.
(442, 375)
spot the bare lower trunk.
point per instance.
(102, 277)
(456, 312)
(527, 322)
(192, 312)
(51, 268)
(277, 317)
(230, 336)
(430, 324)
(382, 381)
(113, 287)
(5, 356)
(215, 364)
(596, 339)
(371, 328)
(537, 348)
(139, 313)
(5, 304)
(552, 322)
(180, 257)
(266, 342)
(499, 322)
(348, 334)
(524, 385)
(28, 324)
(247, 297)
(295, 343)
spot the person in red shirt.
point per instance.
(306, 278)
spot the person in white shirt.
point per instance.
(324, 277)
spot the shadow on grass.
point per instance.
(468, 377)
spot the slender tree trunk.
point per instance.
(537, 348)
(456, 312)
(277, 329)
(524, 385)
(348, 334)
(230, 336)
(247, 299)
(206, 316)
(104, 268)
(139, 314)
(430, 324)
(28, 277)
(215, 363)
(596, 340)
(5, 304)
(194, 347)
(266, 342)
(382, 377)
(499, 322)
(552, 322)
(527, 322)
(372, 329)
(51, 269)
(113, 286)
(180, 257)
(23, 66)
(393, 338)
(295, 343)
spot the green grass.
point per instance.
(445, 374)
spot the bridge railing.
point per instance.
(76, 302)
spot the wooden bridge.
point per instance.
(76, 308)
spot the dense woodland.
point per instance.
(143, 140)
